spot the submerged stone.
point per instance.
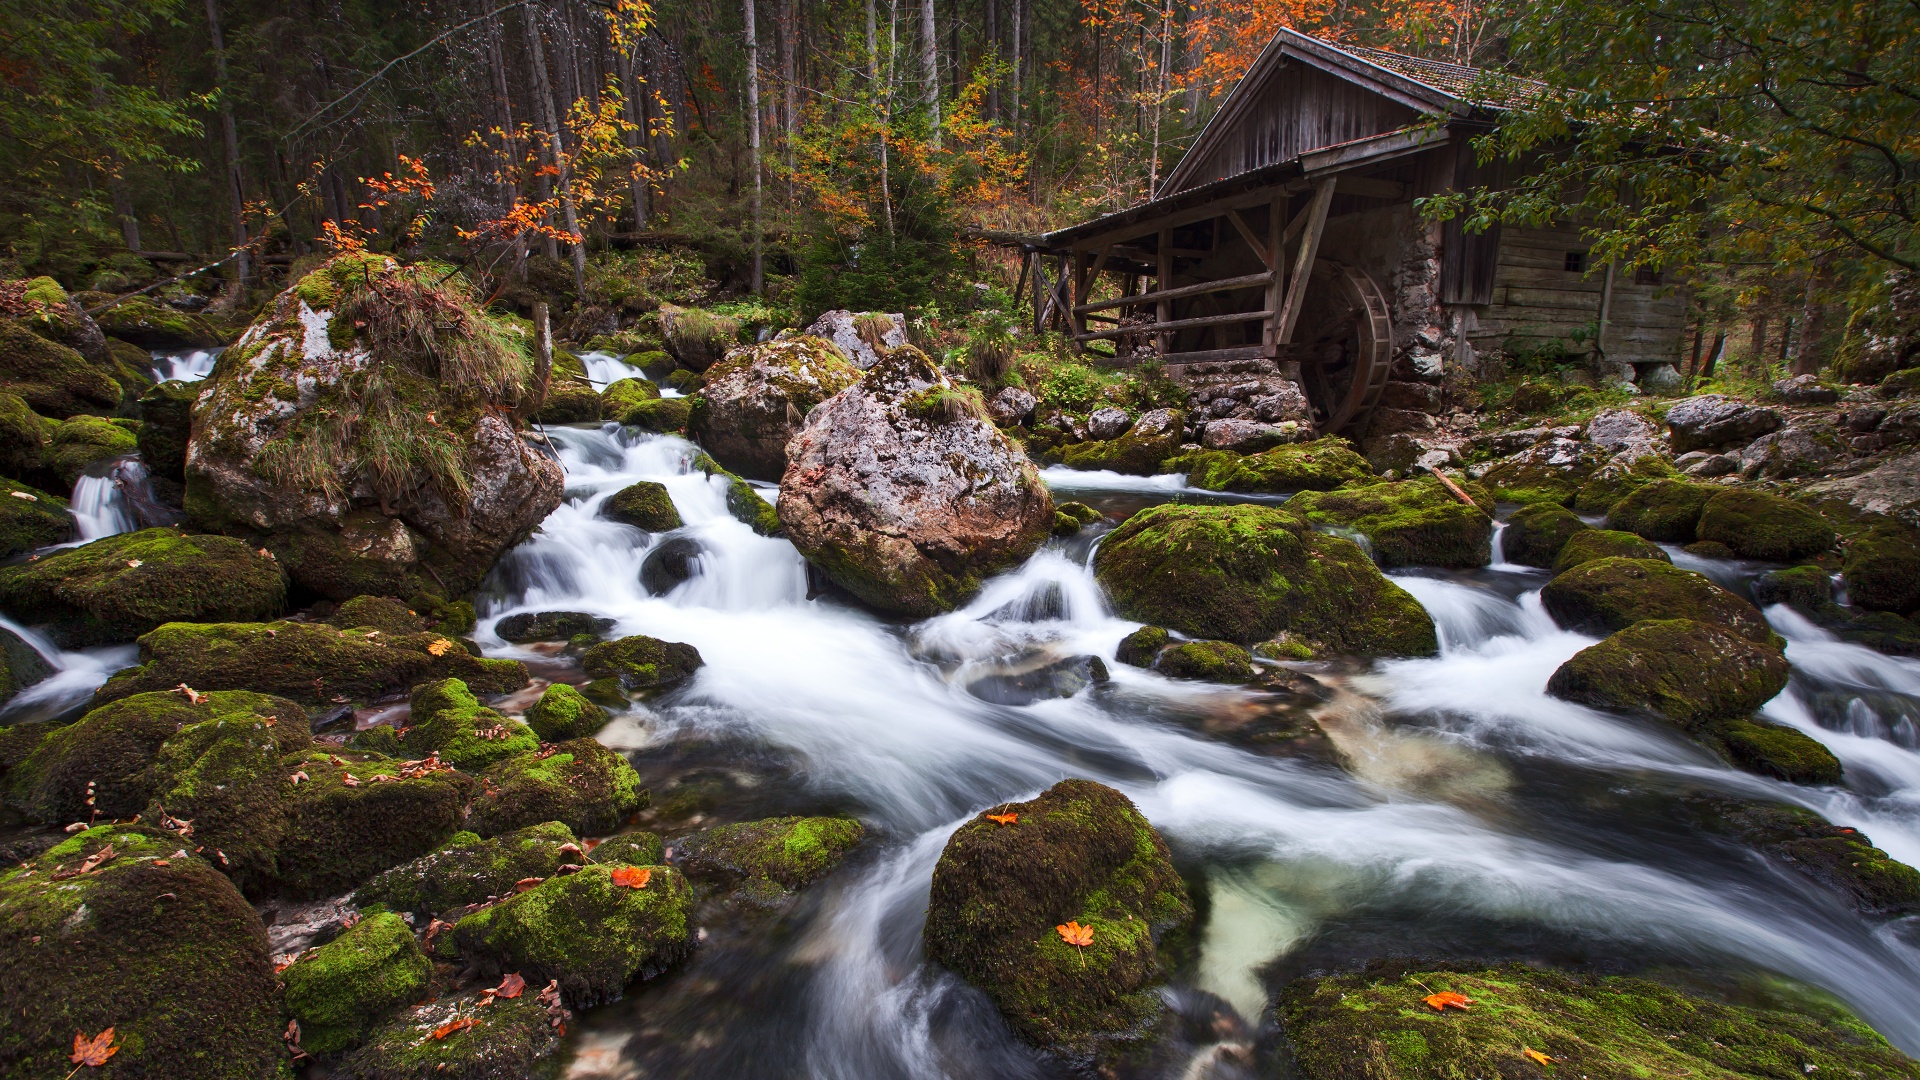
(643, 663)
(550, 626)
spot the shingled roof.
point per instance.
(1476, 86)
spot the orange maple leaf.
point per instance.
(439, 646)
(452, 1026)
(1444, 998)
(510, 987)
(633, 877)
(1535, 1056)
(93, 1052)
(1003, 819)
(1076, 935)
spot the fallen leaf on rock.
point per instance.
(349, 780)
(434, 928)
(1074, 934)
(454, 1026)
(1003, 819)
(439, 646)
(511, 986)
(1444, 998)
(193, 696)
(526, 883)
(633, 877)
(159, 862)
(1535, 1056)
(93, 1052)
(134, 564)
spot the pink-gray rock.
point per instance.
(1011, 406)
(1108, 422)
(847, 330)
(1614, 430)
(1891, 490)
(1899, 427)
(905, 497)
(1789, 452)
(1706, 466)
(1805, 390)
(1714, 420)
(1251, 436)
(755, 400)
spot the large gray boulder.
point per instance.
(856, 333)
(757, 398)
(369, 460)
(906, 494)
(1892, 490)
(1714, 420)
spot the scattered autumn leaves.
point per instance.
(1441, 1001)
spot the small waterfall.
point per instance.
(75, 676)
(605, 369)
(116, 497)
(184, 365)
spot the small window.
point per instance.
(1576, 262)
(1646, 275)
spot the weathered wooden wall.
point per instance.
(1300, 108)
(1536, 300)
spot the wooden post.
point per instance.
(1277, 288)
(1163, 309)
(1316, 220)
(1606, 312)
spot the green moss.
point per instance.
(54, 380)
(1079, 852)
(697, 339)
(622, 395)
(1211, 661)
(1607, 595)
(166, 420)
(585, 930)
(562, 713)
(82, 440)
(1663, 510)
(1836, 856)
(606, 693)
(470, 870)
(631, 849)
(645, 505)
(1614, 481)
(1761, 526)
(515, 1039)
(30, 519)
(1409, 523)
(151, 325)
(1071, 517)
(1807, 589)
(447, 719)
(23, 435)
(354, 981)
(339, 834)
(382, 613)
(1375, 1026)
(1688, 672)
(1321, 465)
(1133, 452)
(1709, 549)
(1781, 752)
(114, 746)
(1243, 573)
(1284, 646)
(1590, 544)
(1882, 569)
(120, 587)
(224, 775)
(171, 957)
(307, 662)
(1141, 647)
(789, 852)
(1535, 534)
(642, 663)
(581, 783)
(570, 399)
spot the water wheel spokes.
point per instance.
(1344, 341)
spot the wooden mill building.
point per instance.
(1288, 234)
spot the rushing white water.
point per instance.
(100, 508)
(604, 369)
(1441, 803)
(185, 365)
(75, 675)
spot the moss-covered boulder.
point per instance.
(373, 450)
(1779, 751)
(1664, 510)
(1805, 588)
(1410, 523)
(1320, 465)
(470, 870)
(1550, 471)
(114, 747)
(54, 380)
(449, 721)
(517, 1038)
(631, 849)
(1145, 448)
(157, 946)
(642, 663)
(31, 518)
(356, 814)
(563, 713)
(1685, 671)
(21, 666)
(756, 399)
(382, 613)
(580, 783)
(166, 423)
(762, 860)
(1071, 517)
(1080, 853)
(119, 587)
(624, 395)
(570, 397)
(79, 441)
(142, 321)
(1618, 479)
(1882, 569)
(23, 436)
(1761, 526)
(1590, 544)
(1244, 573)
(551, 626)
(1839, 857)
(1141, 647)
(308, 662)
(1376, 1025)
(1809, 591)
(1535, 534)
(645, 505)
(595, 930)
(224, 775)
(667, 416)
(343, 988)
(1210, 661)
(1608, 595)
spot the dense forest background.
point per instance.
(847, 153)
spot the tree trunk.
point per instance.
(753, 145)
(1758, 358)
(542, 113)
(1813, 319)
(635, 110)
(236, 190)
(930, 68)
(1019, 56)
(993, 53)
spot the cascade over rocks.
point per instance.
(757, 398)
(364, 430)
(905, 495)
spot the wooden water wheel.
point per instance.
(1344, 341)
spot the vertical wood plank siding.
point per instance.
(1299, 109)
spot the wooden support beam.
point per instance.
(1245, 281)
(1178, 324)
(1208, 356)
(1202, 212)
(1041, 289)
(1277, 280)
(1163, 304)
(1316, 220)
(1268, 259)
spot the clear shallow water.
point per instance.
(185, 365)
(605, 369)
(1450, 808)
